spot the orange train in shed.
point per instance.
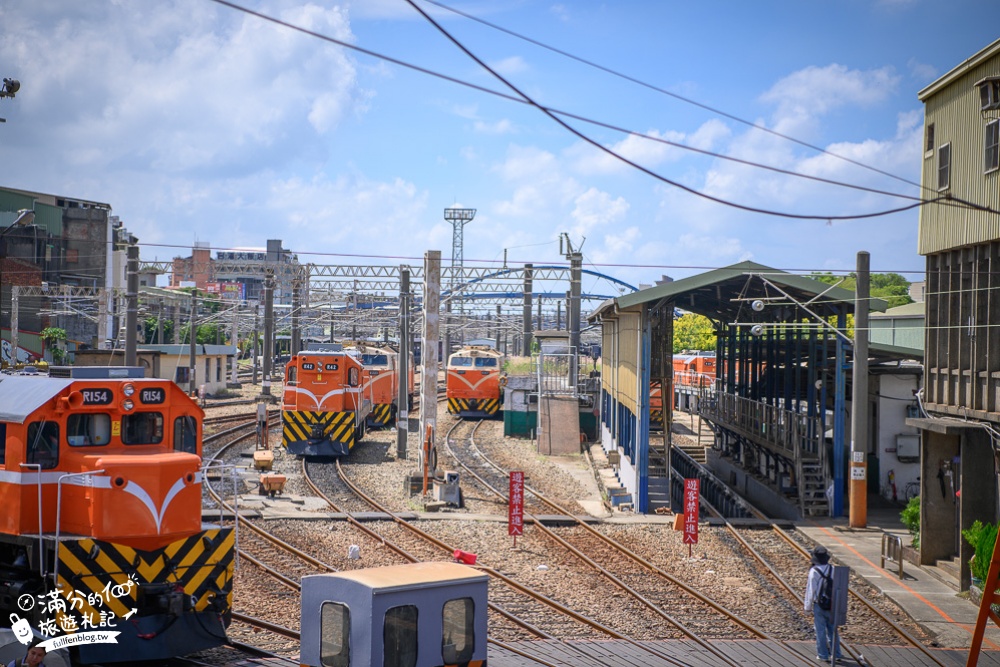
(475, 382)
(324, 407)
(692, 372)
(109, 464)
(380, 381)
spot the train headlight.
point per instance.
(128, 389)
(127, 405)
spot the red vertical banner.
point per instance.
(515, 505)
(692, 489)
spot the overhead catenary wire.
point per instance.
(522, 98)
(672, 94)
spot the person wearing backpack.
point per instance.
(819, 600)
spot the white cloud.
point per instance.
(510, 66)
(648, 150)
(181, 85)
(804, 96)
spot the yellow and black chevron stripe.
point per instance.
(656, 418)
(302, 427)
(485, 407)
(93, 573)
(381, 414)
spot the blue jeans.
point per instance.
(826, 633)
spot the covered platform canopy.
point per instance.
(782, 349)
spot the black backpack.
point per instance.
(824, 598)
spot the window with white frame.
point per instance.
(944, 167)
(991, 146)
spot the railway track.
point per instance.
(781, 551)
(592, 625)
(693, 615)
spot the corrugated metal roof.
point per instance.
(22, 396)
(906, 310)
(705, 291)
(959, 70)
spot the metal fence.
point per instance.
(557, 373)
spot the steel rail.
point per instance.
(901, 631)
(534, 594)
(652, 606)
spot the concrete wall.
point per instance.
(938, 525)
(978, 485)
(892, 413)
(757, 493)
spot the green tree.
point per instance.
(55, 338)
(149, 331)
(693, 332)
(892, 287)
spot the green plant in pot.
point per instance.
(910, 516)
(981, 537)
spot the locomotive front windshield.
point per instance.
(88, 429)
(486, 362)
(461, 361)
(142, 428)
(375, 359)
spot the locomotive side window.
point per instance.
(84, 429)
(142, 428)
(186, 434)
(3, 443)
(399, 637)
(335, 635)
(458, 631)
(486, 362)
(352, 377)
(291, 374)
(461, 361)
(43, 444)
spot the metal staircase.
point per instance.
(812, 488)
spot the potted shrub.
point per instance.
(910, 516)
(981, 537)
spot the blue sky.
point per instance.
(197, 122)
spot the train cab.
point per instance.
(380, 381)
(101, 485)
(323, 407)
(475, 382)
(421, 615)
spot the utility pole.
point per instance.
(575, 257)
(429, 346)
(497, 332)
(526, 313)
(403, 367)
(268, 332)
(256, 342)
(132, 298)
(859, 397)
(296, 306)
(234, 338)
(192, 335)
(159, 323)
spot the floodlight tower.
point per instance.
(459, 218)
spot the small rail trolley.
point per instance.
(420, 615)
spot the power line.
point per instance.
(555, 114)
(674, 95)
(622, 158)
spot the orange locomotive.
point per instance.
(475, 382)
(693, 371)
(109, 464)
(323, 409)
(380, 381)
